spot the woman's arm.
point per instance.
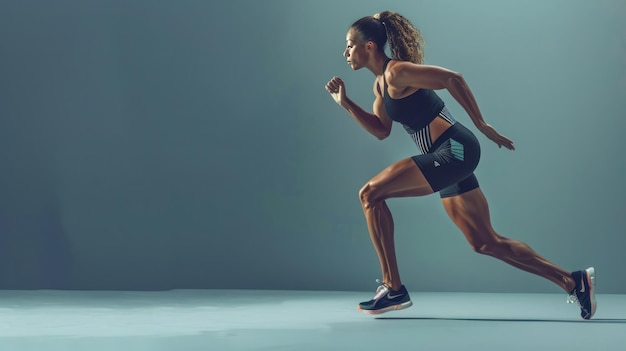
(407, 74)
(377, 124)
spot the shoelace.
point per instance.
(381, 290)
(573, 299)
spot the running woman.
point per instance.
(404, 90)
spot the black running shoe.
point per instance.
(583, 293)
(386, 299)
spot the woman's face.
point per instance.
(355, 52)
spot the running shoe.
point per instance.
(583, 294)
(386, 299)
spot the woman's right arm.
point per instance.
(377, 124)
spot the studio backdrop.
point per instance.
(160, 144)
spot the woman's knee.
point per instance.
(497, 247)
(367, 195)
(487, 247)
(480, 247)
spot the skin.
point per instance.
(469, 211)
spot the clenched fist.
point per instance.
(337, 89)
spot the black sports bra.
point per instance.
(416, 110)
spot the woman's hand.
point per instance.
(337, 90)
(491, 133)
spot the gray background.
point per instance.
(191, 144)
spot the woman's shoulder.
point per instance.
(401, 67)
(397, 70)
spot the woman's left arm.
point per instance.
(407, 74)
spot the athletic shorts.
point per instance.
(450, 163)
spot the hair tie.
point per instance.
(377, 17)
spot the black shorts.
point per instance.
(450, 163)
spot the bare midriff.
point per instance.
(437, 127)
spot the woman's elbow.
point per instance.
(453, 81)
(455, 78)
(383, 134)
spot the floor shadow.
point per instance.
(535, 320)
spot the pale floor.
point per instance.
(301, 320)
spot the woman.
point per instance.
(404, 90)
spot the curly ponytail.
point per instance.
(405, 41)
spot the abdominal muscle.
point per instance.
(437, 127)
